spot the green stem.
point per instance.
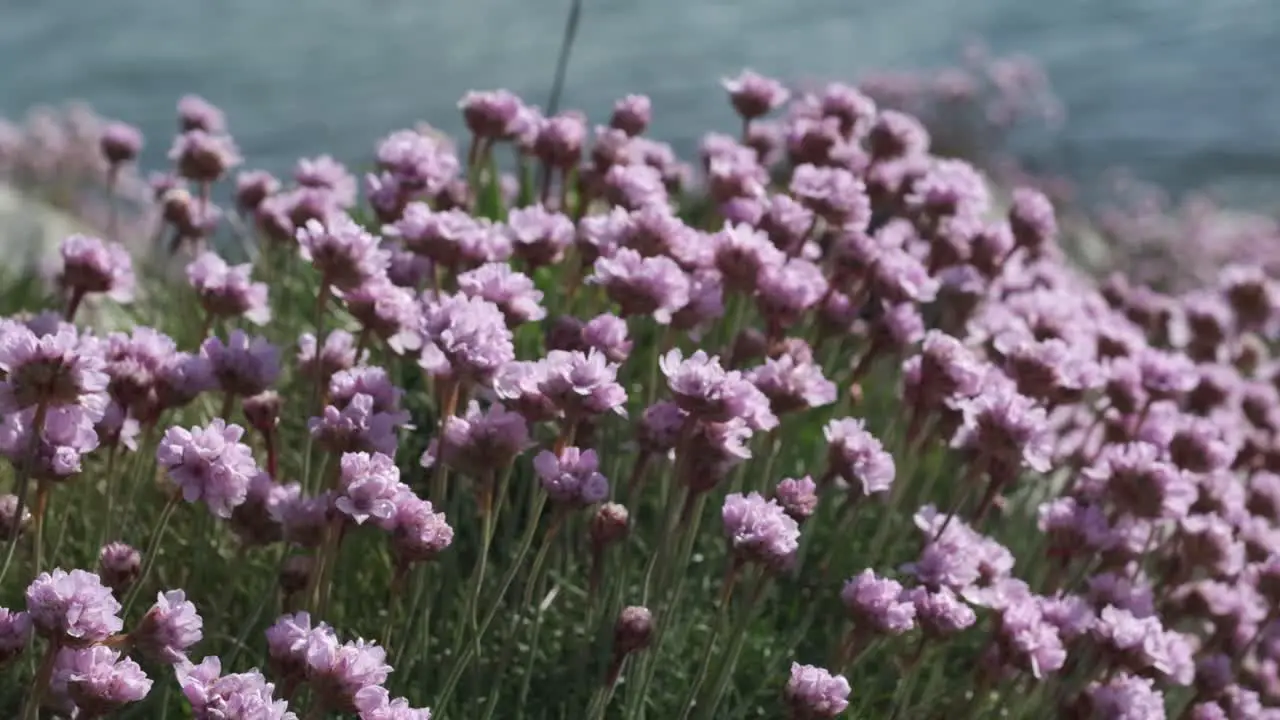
(317, 390)
(737, 638)
(31, 711)
(109, 520)
(460, 666)
(23, 480)
(42, 507)
(152, 547)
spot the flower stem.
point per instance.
(23, 479)
(460, 666)
(42, 506)
(152, 547)
(41, 683)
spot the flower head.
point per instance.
(368, 487)
(760, 530)
(815, 693)
(169, 628)
(97, 680)
(243, 365)
(73, 608)
(344, 253)
(572, 477)
(90, 265)
(227, 291)
(209, 464)
(857, 457)
(878, 602)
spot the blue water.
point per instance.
(1184, 93)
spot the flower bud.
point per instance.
(119, 566)
(633, 631)
(610, 524)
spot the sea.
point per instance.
(1182, 94)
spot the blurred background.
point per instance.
(1184, 94)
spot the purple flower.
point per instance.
(1251, 294)
(704, 389)
(857, 457)
(898, 277)
(196, 113)
(63, 372)
(214, 696)
(580, 383)
(417, 160)
(1026, 640)
(120, 143)
(1142, 484)
(631, 114)
(815, 693)
(607, 334)
(338, 353)
(798, 496)
(325, 173)
(480, 442)
(97, 680)
(833, 193)
(73, 608)
(471, 333)
(634, 186)
(572, 478)
(119, 566)
(375, 703)
(949, 188)
(209, 464)
(742, 253)
(1031, 218)
(287, 642)
(559, 139)
(539, 236)
(255, 520)
(90, 265)
(643, 285)
(168, 629)
(940, 613)
(252, 188)
(358, 426)
(785, 292)
(243, 365)
(204, 157)
(227, 291)
(1165, 375)
(492, 115)
(879, 603)
(793, 384)
(344, 253)
(513, 292)
(760, 530)
(339, 672)
(418, 532)
(1126, 697)
(368, 487)
(754, 95)
(15, 634)
(388, 311)
(1006, 430)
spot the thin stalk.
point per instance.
(317, 391)
(460, 666)
(42, 506)
(24, 479)
(110, 492)
(486, 538)
(440, 475)
(562, 62)
(737, 638)
(31, 711)
(152, 547)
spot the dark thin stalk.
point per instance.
(21, 483)
(562, 62)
